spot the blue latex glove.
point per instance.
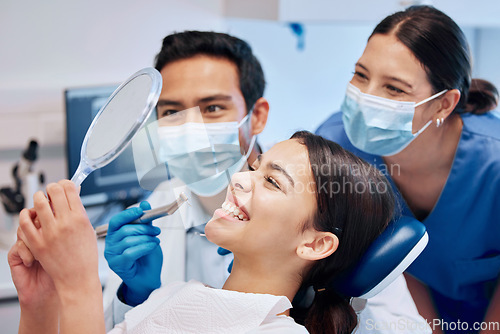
(133, 252)
(222, 251)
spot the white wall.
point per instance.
(303, 86)
(47, 46)
(487, 59)
(51, 45)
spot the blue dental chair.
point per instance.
(386, 258)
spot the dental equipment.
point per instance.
(166, 210)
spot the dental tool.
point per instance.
(166, 210)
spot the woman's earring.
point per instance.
(439, 122)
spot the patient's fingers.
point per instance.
(25, 254)
(27, 231)
(20, 234)
(72, 195)
(32, 213)
(57, 197)
(34, 217)
(43, 209)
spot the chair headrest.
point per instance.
(386, 258)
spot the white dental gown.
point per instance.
(192, 307)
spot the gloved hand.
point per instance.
(133, 252)
(222, 251)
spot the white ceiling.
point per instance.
(477, 13)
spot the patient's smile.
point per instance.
(232, 209)
(263, 195)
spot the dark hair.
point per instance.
(483, 97)
(440, 46)
(189, 44)
(357, 208)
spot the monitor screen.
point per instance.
(114, 182)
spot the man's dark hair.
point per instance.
(188, 44)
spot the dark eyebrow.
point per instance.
(207, 99)
(362, 66)
(280, 169)
(388, 77)
(277, 167)
(399, 80)
(215, 98)
(169, 102)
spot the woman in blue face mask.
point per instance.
(412, 109)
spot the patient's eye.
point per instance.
(272, 181)
(268, 179)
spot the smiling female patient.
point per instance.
(303, 213)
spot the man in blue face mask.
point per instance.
(218, 75)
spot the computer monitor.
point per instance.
(114, 182)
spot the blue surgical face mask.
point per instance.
(203, 155)
(377, 125)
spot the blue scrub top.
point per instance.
(461, 263)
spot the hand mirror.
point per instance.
(114, 126)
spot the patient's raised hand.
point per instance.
(65, 242)
(35, 288)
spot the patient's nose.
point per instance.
(242, 182)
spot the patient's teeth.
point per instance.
(233, 210)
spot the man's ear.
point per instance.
(318, 245)
(259, 115)
(448, 103)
